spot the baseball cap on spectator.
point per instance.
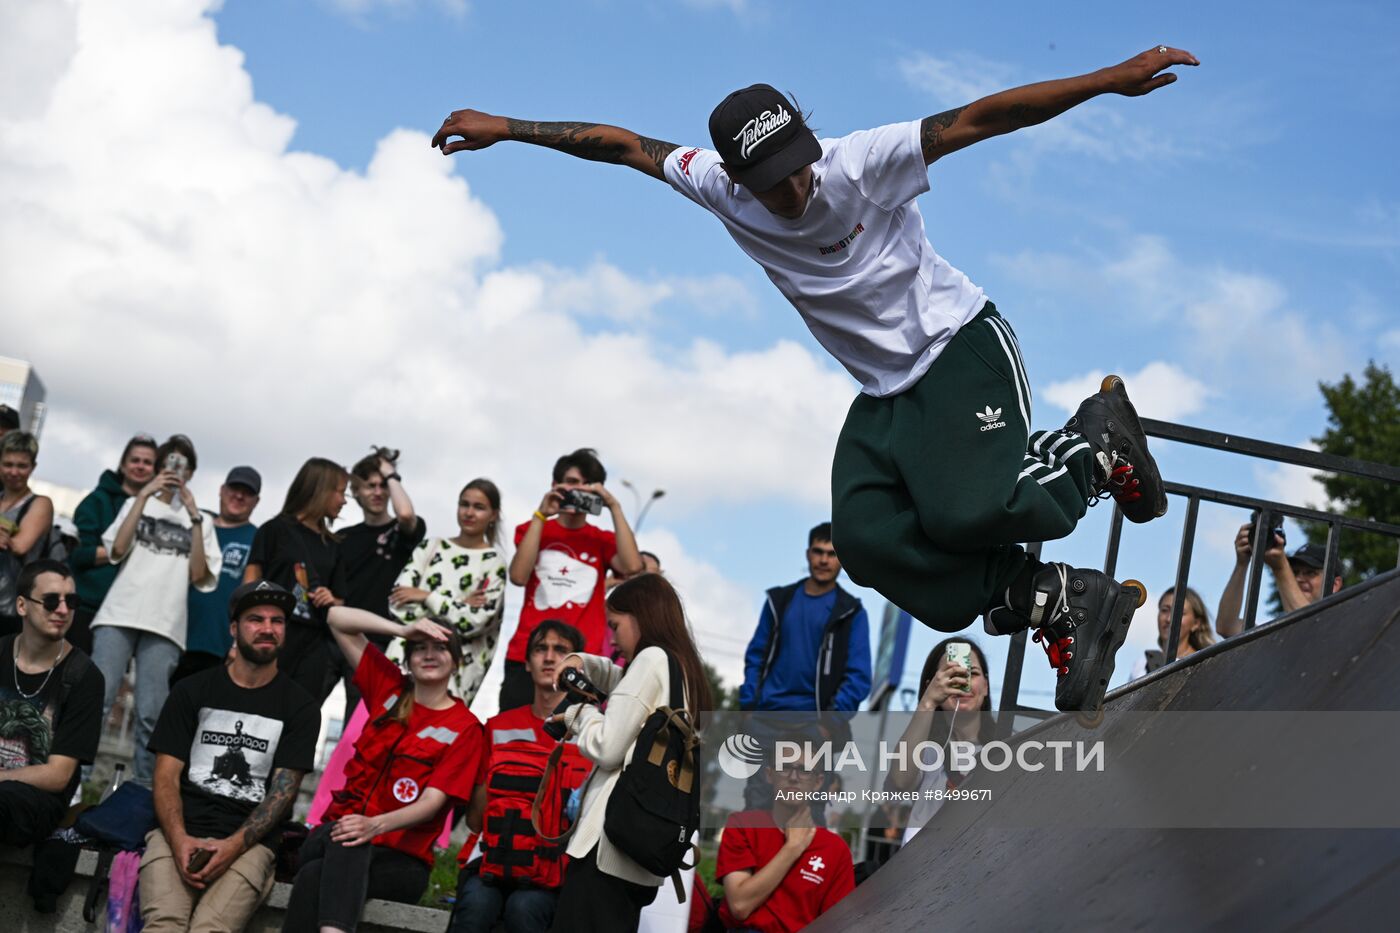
(9, 418)
(245, 476)
(1309, 555)
(260, 593)
(761, 137)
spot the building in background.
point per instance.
(22, 390)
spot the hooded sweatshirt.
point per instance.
(93, 515)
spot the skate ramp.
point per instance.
(972, 869)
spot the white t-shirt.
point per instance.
(151, 591)
(857, 264)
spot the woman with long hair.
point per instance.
(603, 889)
(1196, 632)
(461, 582)
(420, 753)
(297, 551)
(955, 705)
(93, 569)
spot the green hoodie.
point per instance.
(93, 516)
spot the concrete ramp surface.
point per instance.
(1054, 852)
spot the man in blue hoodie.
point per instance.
(811, 650)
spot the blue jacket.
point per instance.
(841, 677)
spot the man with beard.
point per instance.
(210, 863)
(50, 706)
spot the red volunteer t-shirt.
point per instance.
(392, 765)
(819, 878)
(566, 584)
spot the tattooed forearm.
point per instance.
(656, 151)
(276, 804)
(585, 140)
(931, 132)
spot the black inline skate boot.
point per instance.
(1080, 618)
(1123, 467)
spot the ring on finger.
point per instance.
(1162, 48)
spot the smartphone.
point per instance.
(580, 500)
(960, 653)
(177, 463)
(198, 859)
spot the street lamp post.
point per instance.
(640, 507)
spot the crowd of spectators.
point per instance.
(230, 636)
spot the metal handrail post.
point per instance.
(1183, 568)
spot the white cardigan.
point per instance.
(607, 739)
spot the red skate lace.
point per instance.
(1122, 485)
(1056, 648)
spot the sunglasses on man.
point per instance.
(50, 601)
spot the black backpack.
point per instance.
(654, 808)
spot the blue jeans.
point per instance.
(479, 906)
(156, 656)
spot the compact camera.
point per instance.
(577, 689)
(387, 453)
(580, 500)
(1276, 520)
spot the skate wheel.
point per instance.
(1110, 383)
(1091, 720)
(1141, 591)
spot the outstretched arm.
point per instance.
(1020, 107)
(596, 142)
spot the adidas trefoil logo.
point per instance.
(990, 419)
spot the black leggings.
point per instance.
(334, 881)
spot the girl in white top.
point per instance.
(165, 545)
(460, 582)
(603, 889)
(945, 714)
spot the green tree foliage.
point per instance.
(1363, 423)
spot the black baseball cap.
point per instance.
(1309, 555)
(245, 476)
(260, 593)
(761, 137)
(9, 418)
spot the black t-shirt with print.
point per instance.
(231, 739)
(299, 559)
(28, 731)
(373, 556)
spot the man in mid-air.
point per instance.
(937, 474)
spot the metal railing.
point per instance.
(1268, 516)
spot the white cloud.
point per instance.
(1239, 330)
(1159, 390)
(955, 79)
(172, 266)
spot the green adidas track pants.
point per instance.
(932, 488)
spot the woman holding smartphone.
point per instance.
(297, 551)
(420, 753)
(603, 889)
(955, 705)
(165, 546)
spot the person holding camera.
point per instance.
(780, 870)
(165, 545)
(562, 560)
(954, 706)
(605, 890)
(1297, 578)
(297, 551)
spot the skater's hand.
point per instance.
(1143, 73)
(478, 130)
(799, 830)
(949, 679)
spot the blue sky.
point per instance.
(1229, 240)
